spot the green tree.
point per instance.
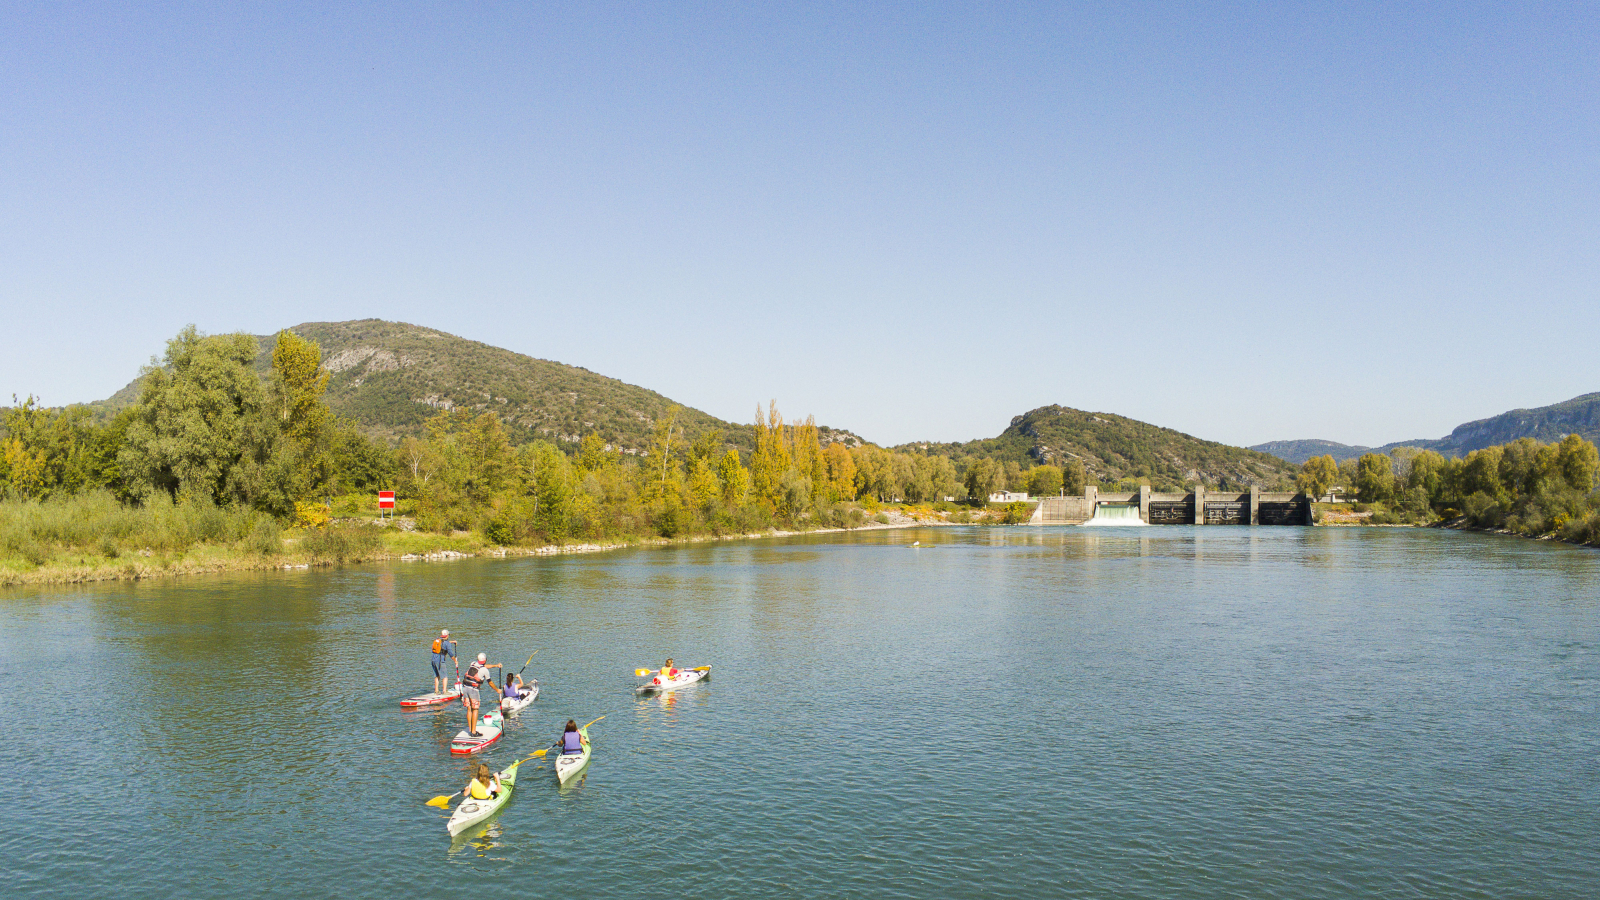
(1074, 477)
(984, 477)
(187, 434)
(1577, 461)
(840, 472)
(663, 466)
(552, 486)
(1044, 481)
(1317, 476)
(1374, 477)
(734, 479)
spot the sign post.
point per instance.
(386, 502)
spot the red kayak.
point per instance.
(432, 699)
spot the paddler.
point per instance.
(476, 677)
(514, 688)
(484, 784)
(667, 672)
(443, 648)
(571, 739)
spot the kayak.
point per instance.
(685, 678)
(470, 812)
(570, 764)
(489, 731)
(433, 699)
(511, 706)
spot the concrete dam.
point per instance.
(1198, 507)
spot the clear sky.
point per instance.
(1360, 222)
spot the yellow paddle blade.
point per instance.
(701, 669)
(442, 801)
(640, 673)
(541, 752)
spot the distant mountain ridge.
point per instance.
(1580, 416)
(1112, 447)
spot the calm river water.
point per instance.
(1169, 712)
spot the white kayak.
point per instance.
(570, 764)
(531, 693)
(489, 731)
(684, 678)
(470, 812)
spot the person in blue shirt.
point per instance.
(443, 649)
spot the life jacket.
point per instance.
(438, 645)
(511, 692)
(480, 791)
(476, 675)
(571, 742)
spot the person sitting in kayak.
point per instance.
(514, 689)
(477, 676)
(571, 739)
(667, 672)
(484, 785)
(443, 649)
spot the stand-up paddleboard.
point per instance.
(470, 812)
(685, 678)
(433, 699)
(513, 706)
(489, 731)
(570, 764)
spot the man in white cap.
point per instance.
(443, 648)
(476, 677)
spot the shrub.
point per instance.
(881, 518)
(265, 538)
(311, 515)
(341, 543)
(501, 530)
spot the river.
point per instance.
(1171, 712)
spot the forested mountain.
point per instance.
(1113, 447)
(1580, 416)
(390, 377)
(1298, 452)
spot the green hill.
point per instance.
(390, 377)
(1113, 447)
(1298, 452)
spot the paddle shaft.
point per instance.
(525, 665)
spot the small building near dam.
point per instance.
(1198, 507)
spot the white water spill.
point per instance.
(1119, 514)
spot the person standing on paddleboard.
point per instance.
(443, 648)
(476, 677)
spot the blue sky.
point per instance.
(1247, 222)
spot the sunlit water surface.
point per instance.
(1161, 712)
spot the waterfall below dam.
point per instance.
(1109, 514)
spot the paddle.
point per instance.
(643, 673)
(443, 800)
(530, 659)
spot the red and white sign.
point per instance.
(386, 499)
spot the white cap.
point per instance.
(481, 657)
(445, 632)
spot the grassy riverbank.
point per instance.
(93, 537)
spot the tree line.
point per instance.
(1525, 486)
(208, 430)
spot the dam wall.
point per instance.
(1197, 507)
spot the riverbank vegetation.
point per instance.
(1524, 487)
(220, 465)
